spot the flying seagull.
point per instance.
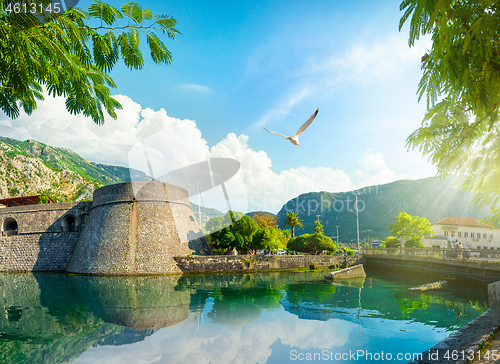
(295, 139)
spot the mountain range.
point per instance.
(33, 168)
(379, 205)
(30, 168)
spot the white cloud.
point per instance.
(172, 143)
(365, 62)
(198, 88)
(282, 109)
(188, 343)
(110, 143)
(374, 170)
(323, 75)
(268, 190)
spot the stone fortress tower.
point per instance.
(132, 228)
(137, 228)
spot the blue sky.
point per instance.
(241, 66)
(255, 58)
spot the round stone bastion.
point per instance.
(137, 228)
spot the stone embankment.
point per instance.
(465, 345)
(248, 263)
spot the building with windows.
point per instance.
(469, 231)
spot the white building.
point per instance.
(469, 231)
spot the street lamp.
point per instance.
(357, 220)
(318, 216)
(337, 236)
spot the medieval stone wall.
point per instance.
(42, 241)
(47, 252)
(128, 228)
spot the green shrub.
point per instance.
(414, 243)
(312, 243)
(391, 242)
(350, 251)
(43, 199)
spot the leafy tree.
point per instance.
(312, 243)
(461, 80)
(410, 227)
(265, 219)
(215, 224)
(269, 238)
(318, 227)
(284, 236)
(238, 235)
(247, 228)
(350, 251)
(293, 220)
(71, 54)
(231, 240)
(391, 242)
(232, 216)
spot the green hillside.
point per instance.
(31, 168)
(62, 158)
(379, 206)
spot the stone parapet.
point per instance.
(128, 228)
(44, 217)
(494, 293)
(248, 263)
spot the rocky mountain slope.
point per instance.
(379, 206)
(33, 168)
(30, 168)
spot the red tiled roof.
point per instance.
(463, 221)
(22, 200)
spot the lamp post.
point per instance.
(318, 216)
(337, 236)
(357, 220)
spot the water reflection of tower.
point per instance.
(139, 302)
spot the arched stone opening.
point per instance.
(69, 224)
(10, 227)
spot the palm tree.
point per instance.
(292, 220)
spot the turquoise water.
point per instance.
(254, 318)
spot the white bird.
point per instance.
(295, 139)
